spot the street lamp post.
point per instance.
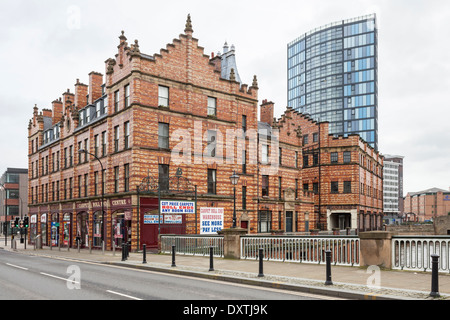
(103, 194)
(234, 180)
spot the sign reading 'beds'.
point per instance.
(171, 207)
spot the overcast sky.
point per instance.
(46, 45)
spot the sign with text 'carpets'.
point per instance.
(177, 207)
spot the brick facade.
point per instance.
(344, 174)
(427, 205)
(148, 118)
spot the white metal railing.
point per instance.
(303, 249)
(192, 245)
(414, 252)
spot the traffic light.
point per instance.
(25, 222)
(16, 223)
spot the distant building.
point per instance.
(393, 188)
(426, 205)
(13, 195)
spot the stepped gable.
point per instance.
(294, 124)
(304, 123)
(183, 61)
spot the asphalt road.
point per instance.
(25, 277)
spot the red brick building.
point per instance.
(148, 119)
(427, 205)
(344, 174)
(173, 127)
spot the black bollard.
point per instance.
(123, 252)
(261, 256)
(434, 276)
(211, 263)
(128, 249)
(144, 253)
(173, 256)
(328, 282)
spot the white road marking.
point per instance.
(325, 297)
(123, 295)
(19, 267)
(56, 277)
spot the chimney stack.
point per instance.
(95, 86)
(47, 113)
(68, 99)
(81, 92)
(267, 112)
(216, 61)
(57, 111)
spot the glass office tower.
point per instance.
(332, 76)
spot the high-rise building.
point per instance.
(332, 76)
(393, 188)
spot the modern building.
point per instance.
(332, 76)
(427, 205)
(13, 196)
(393, 188)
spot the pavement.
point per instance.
(354, 283)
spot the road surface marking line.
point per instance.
(123, 295)
(19, 267)
(56, 277)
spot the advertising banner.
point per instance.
(211, 220)
(173, 218)
(151, 219)
(177, 207)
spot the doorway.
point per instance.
(55, 230)
(98, 231)
(82, 229)
(67, 231)
(289, 220)
(44, 229)
(121, 229)
(340, 220)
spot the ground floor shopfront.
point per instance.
(138, 219)
(81, 223)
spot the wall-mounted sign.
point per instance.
(173, 218)
(211, 220)
(151, 219)
(165, 218)
(177, 207)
